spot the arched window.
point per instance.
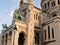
(45, 5)
(21, 39)
(52, 33)
(37, 37)
(53, 3)
(48, 4)
(54, 15)
(45, 34)
(48, 32)
(34, 16)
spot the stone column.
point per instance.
(2, 43)
(25, 39)
(30, 25)
(4, 40)
(30, 36)
(13, 38)
(16, 37)
(8, 40)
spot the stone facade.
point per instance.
(0, 39)
(34, 26)
(51, 24)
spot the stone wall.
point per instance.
(0, 39)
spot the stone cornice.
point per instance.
(50, 20)
(21, 23)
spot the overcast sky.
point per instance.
(7, 8)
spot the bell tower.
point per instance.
(30, 23)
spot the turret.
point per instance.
(51, 7)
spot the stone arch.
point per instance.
(21, 38)
(52, 14)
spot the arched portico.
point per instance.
(21, 38)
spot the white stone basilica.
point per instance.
(34, 26)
